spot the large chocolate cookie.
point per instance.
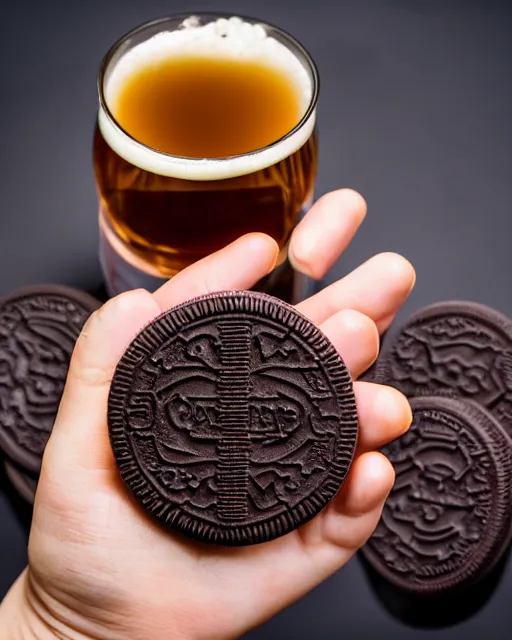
(458, 348)
(38, 330)
(447, 520)
(232, 418)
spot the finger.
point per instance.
(110, 330)
(352, 516)
(355, 337)
(238, 266)
(326, 231)
(80, 437)
(384, 414)
(377, 288)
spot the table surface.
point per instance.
(415, 111)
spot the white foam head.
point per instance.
(226, 38)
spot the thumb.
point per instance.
(80, 436)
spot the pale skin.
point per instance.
(99, 568)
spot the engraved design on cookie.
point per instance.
(38, 330)
(447, 519)
(456, 347)
(232, 418)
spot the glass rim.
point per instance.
(107, 59)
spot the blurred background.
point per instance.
(415, 112)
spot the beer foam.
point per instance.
(227, 38)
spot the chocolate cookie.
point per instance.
(447, 520)
(458, 348)
(232, 418)
(24, 484)
(378, 373)
(38, 330)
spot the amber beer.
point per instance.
(206, 131)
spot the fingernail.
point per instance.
(412, 285)
(413, 279)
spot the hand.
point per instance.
(98, 565)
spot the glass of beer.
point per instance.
(206, 131)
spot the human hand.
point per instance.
(100, 568)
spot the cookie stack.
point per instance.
(38, 330)
(448, 520)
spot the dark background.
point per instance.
(415, 111)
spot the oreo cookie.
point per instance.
(447, 521)
(376, 373)
(25, 484)
(38, 330)
(232, 419)
(460, 349)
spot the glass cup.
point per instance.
(161, 211)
